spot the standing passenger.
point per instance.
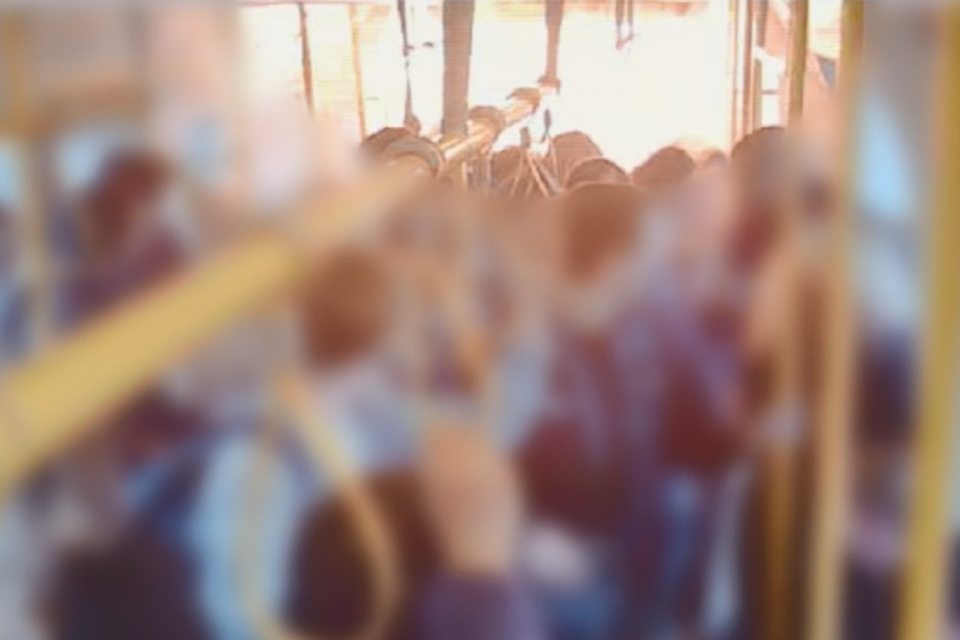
(13, 297)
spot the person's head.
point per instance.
(757, 162)
(667, 179)
(664, 171)
(704, 210)
(129, 244)
(595, 170)
(570, 148)
(762, 164)
(373, 146)
(345, 307)
(599, 234)
(124, 197)
(713, 159)
(756, 171)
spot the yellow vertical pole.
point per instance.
(746, 97)
(734, 71)
(832, 437)
(799, 39)
(761, 17)
(922, 596)
(781, 467)
(358, 70)
(306, 60)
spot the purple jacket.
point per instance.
(464, 608)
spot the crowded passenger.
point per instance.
(108, 569)
(355, 386)
(597, 169)
(551, 399)
(127, 243)
(515, 389)
(568, 149)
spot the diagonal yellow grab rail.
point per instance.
(61, 394)
(923, 596)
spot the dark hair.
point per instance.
(127, 178)
(714, 158)
(758, 141)
(344, 309)
(570, 148)
(599, 221)
(599, 170)
(505, 166)
(136, 168)
(665, 169)
(152, 425)
(377, 142)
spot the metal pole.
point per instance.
(832, 438)
(760, 40)
(781, 463)
(927, 556)
(734, 70)
(55, 398)
(746, 98)
(553, 14)
(457, 47)
(799, 39)
(306, 60)
(358, 70)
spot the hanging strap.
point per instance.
(624, 13)
(409, 119)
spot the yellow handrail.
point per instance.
(832, 436)
(781, 465)
(299, 409)
(63, 392)
(925, 581)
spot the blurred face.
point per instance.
(592, 302)
(598, 255)
(712, 206)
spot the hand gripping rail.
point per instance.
(67, 390)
